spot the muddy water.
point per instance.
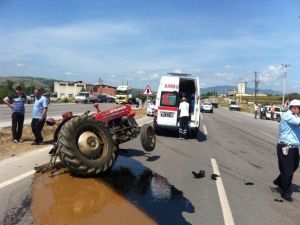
(130, 194)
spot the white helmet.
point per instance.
(295, 102)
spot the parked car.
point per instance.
(93, 99)
(206, 107)
(82, 96)
(102, 98)
(111, 99)
(266, 114)
(234, 106)
(151, 108)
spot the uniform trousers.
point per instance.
(184, 121)
(288, 164)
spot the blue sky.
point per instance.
(137, 41)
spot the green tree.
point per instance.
(10, 85)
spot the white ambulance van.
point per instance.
(171, 89)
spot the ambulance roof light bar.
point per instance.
(180, 74)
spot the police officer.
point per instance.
(183, 118)
(287, 148)
(16, 102)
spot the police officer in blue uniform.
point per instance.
(288, 148)
(16, 102)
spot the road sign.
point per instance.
(147, 91)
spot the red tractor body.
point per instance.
(88, 144)
(111, 114)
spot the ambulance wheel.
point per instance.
(194, 132)
(156, 128)
(148, 138)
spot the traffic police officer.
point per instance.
(288, 148)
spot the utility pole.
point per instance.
(256, 82)
(284, 77)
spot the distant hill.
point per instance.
(29, 81)
(224, 89)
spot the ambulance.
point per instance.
(172, 88)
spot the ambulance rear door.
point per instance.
(167, 111)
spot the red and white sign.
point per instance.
(147, 91)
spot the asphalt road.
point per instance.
(240, 147)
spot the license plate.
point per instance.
(167, 114)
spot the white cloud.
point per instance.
(68, 73)
(271, 73)
(18, 65)
(143, 76)
(140, 72)
(177, 71)
(271, 77)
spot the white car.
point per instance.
(206, 107)
(151, 108)
(234, 106)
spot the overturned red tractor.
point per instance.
(89, 144)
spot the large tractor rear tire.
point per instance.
(86, 146)
(148, 138)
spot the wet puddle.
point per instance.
(130, 194)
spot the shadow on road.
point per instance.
(137, 152)
(149, 191)
(295, 188)
(201, 137)
(171, 133)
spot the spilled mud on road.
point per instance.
(129, 194)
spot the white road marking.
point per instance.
(205, 130)
(16, 179)
(227, 215)
(201, 116)
(269, 135)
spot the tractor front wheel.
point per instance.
(148, 138)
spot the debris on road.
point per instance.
(201, 174)
(249, 183)
(214, 176)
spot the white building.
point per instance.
(242, 88)
(66, 89)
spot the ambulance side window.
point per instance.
(169, 98)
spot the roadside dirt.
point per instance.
(9, 148)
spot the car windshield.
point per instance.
(233, 103)
(83, 94)
(121, 92)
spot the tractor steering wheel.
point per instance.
(86, 113)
